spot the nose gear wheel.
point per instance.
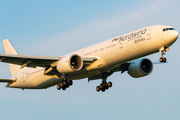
(162, 60)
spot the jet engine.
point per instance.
(140, 68)
(70, 64)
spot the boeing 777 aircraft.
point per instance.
(99, 61)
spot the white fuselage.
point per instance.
(109, 53)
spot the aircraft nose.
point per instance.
(175, 34)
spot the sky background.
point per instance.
(57, 27)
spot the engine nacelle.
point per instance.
(70, 64)
(140, 68)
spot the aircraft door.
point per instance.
(149, 34)
(25, 76)
(120, 44)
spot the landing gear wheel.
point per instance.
(70, 82)
(61, 85)
(98, 89)
(103, 90)
(64, 88)
(67, 85)
(65, 82)
(101, 86)
(58, 87)
(162, 60)
(109, 84)
(105, 85)
(165, 60)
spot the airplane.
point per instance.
(99, 61)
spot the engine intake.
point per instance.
(70, 64)
(140, 68)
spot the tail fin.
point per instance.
(9, 49)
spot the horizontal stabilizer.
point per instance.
(7, 80)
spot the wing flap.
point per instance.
(122, 67)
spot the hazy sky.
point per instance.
(57, 27)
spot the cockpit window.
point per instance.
(166, 29)
(171, 29)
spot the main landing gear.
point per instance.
(65, 84)
(104, 85)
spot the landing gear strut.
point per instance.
(163, 59)
(64, 84)
(104, 85)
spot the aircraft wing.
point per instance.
(29, 61)
(34, 61)
(122, 67)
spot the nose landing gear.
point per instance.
(163, 52)
(162, 59)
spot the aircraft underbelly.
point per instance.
(34, 79)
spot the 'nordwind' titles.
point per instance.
(131, 36)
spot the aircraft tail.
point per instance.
(9, 49)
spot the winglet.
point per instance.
(9, 49)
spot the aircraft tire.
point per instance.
(98, 89)
(70, 82)
(64, 88)
(105, 85)
(164, 60)
(101, 86)
(58, 87)
(67, 86)
(65, 82)
(161, 59)
(103, 90)
(109, 84)
(61, 85)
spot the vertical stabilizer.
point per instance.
(9, 49)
